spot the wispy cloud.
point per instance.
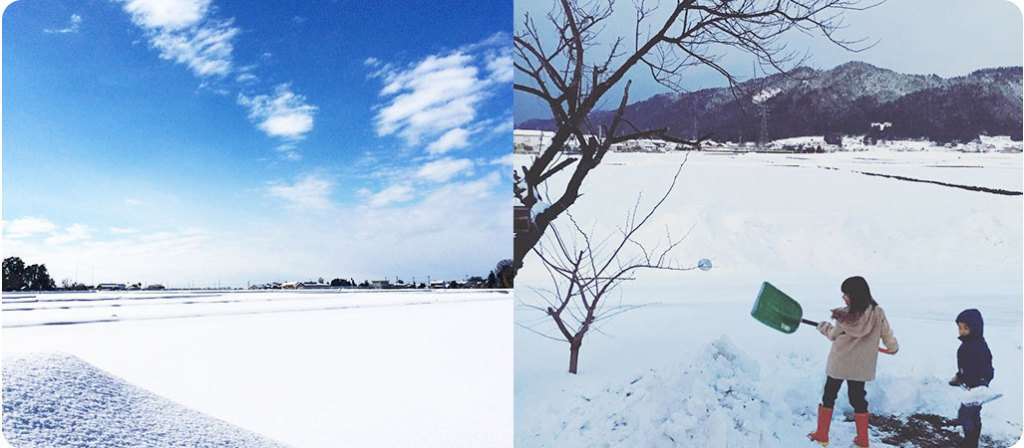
(500, 65)
(20, 228)
(445, 169)
(76, 232)
(391, 195)
(73, 26)
(506, 160)
(123, 230)
(453, 139)
(170, 15)
(311, 193)
(182, 31)
(284, 114)
(437, 99)
(186, 32)
(246, 77)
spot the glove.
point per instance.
(824, 327)
(955, 381)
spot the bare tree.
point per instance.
(584, 272)
(574, 70)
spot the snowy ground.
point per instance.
(64, 401)
(693, 369)
(307, 369)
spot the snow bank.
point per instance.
(724, 398)
(56, 399)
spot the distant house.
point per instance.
(440, 284)
(111, 287)
(291, 285)
(313, 285)
(380, 284)
(156, 287)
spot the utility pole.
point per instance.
(764, 126)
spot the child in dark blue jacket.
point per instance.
(974, 369)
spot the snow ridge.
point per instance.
(56, 399)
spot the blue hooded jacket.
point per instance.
(973, 358)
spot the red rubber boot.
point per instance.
(824, 421)
(861, 420)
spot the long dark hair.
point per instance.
(856, 288)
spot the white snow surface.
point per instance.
(303, 368)
(60, 399)
(692, 368)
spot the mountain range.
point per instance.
(843, 100)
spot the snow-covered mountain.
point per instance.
(846, 100)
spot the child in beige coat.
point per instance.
(859, 327)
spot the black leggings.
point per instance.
(855, 390)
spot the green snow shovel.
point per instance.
(779, 311)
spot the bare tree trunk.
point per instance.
(574, 355)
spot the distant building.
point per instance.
(529, 141)
(111, 287)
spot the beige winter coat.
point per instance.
(855, 339)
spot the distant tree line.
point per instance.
(19, 277)
(500, 277)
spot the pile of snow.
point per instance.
(721, 397)
(712, 401)
(56, 399)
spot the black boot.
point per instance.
(971, 438)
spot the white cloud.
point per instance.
(73, 25)
(311, 193)
(288, 151)
(285, 114)
(182, 33)
(439, 100)
(27, 226)
(246, 77)
(500, 65)
(76, 232)
(445, 169)
(123, 230)
(432, 97)
(453, 139)
(167, 14)
(504, 127)
(506, 160)
(391, 195)
(206, 50)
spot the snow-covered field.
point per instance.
(306, 369)
(691, 368)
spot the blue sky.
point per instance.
(944, 37)
(192, 142)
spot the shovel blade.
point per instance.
(777, 310)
